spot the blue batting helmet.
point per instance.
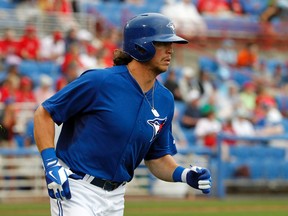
(141, 31)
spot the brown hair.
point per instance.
(121, 58)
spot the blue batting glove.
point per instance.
(196, 177)
(56, 176)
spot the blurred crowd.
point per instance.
(207, 102)
(244, 96)
(72, 51)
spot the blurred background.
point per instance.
(229, 83)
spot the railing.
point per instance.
(21, 174)
(281, 179)
(44, 22)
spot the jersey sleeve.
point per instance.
(73, 98)
(163, 145)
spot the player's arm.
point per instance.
(163, 167)
(166, 169)
(56, 176)
(44, 129)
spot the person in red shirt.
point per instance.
(109, 45)
(29, 44)
(8, 44)
(214, 7)
(72, 56)
(25, 93)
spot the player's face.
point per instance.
(162, 58)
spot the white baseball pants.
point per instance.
(90, 200)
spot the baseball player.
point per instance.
(112, 119)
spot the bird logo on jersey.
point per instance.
(157, 125)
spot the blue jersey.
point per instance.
(108, 127)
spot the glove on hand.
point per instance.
(199, 178)
(56, 176)
(196, 177)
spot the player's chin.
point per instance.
(164, 67)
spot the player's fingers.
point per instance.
(204, 182)
(56, 193)
(206, 191)
(66, 190)
(204, 187)
(61, 193)
(51, 193)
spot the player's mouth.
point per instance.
(167, 60)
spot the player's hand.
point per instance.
(56, 176)
(199, 178)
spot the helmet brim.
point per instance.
(171, 38)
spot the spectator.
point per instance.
(53, 47)
(185, 82)
(263, 75)
(86, 49)
(208, 127)
(242, 125)
(271, 122)
(72, 56)
(64, 13)
(13, 73)
(9, 45)
(7, 122)
(226, 55)
(192, 112)
(279, 76)
(109, 45)
(186, 18)
(264, 96)
(9, 89)
(236, 7)
(205, 85)
(227, 129)
(71, 73)
(70, 38)
(61, 82)
(282, 100)
(45, 89)
(218, 8)
(227, 100)
(172, 84)
(25, 93)
(248, 56)
(29, 45)
(247, 97)
(275, 9)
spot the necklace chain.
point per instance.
(153, 110)
(151, 105)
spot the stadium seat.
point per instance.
(5, 4)
(274, 169)
(208, 64)
(254, 7)
(240, 77)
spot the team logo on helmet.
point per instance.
(157, 124)
(171, 26)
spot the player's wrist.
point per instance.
(180, 174)
(49, 157)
